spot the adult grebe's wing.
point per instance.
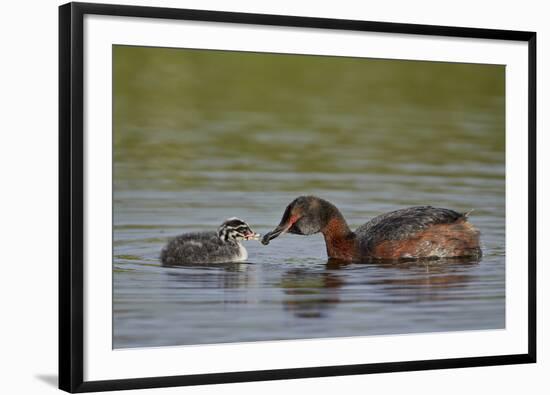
(404, 223)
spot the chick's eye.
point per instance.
(243, 229)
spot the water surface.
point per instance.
(200, 136)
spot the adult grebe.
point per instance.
(410, 233)
(210, 247)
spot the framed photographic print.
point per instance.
(253, 197)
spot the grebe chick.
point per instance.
(210, 247)
(410, 233)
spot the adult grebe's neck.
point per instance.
(339, 239)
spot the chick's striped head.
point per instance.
(236, 229)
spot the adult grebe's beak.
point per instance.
(279, 230)
(286, 223)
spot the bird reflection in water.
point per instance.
(312, 294)
(218, 276)
(420, 281)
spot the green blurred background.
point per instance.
(179, 110)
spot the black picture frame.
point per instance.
(71, 181)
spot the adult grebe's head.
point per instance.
(305, 215)
(236, 229)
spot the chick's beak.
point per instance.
(252, 236)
